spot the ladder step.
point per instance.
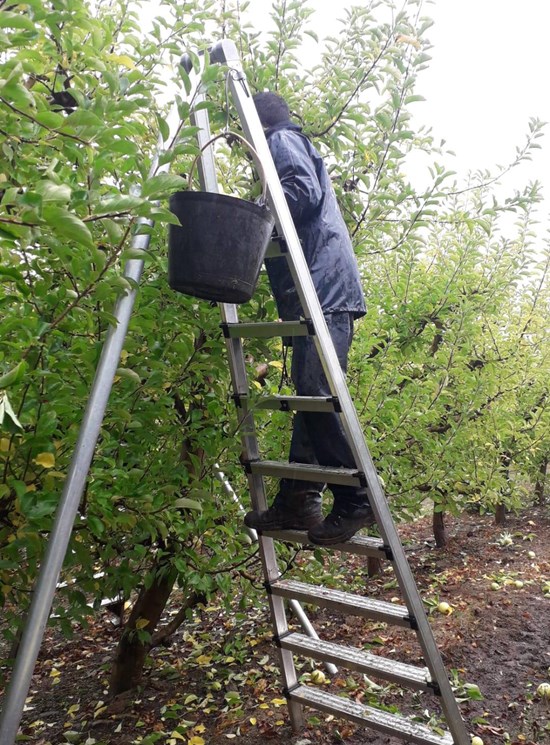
(267, 330)
(299, 403)
(306, 472)
(382, 721)
(273, 250)
(346, 602)
(359, 545)
(355, 659)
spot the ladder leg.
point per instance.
(74, 485)
(14, 700)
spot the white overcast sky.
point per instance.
(487, 77)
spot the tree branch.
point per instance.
(44, 126)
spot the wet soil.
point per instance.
(218, 681)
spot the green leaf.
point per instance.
(137, 253)
(6, 408)
(126, 372)
(164, 128)
(95, 524)
(82, 118)
(67, 225)
(473, 692)
(15, 20)
(14, 275)
(125, 147)
(210, 73)
(50, 119)
(52, 192)
(421, 58)
(16, 92)
(384, 120)
(189, 504)
(413, 99)
(164, 216)
(14, 375)
(118, 203)
(163, 185)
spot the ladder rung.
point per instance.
(398, 615)
(299, 403)
(267, 330)
(273, 250)
(355, 659)
(382, 721)
(306, 472)
(360, 545)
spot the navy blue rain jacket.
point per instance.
(320, 226)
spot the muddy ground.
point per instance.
(218, 680)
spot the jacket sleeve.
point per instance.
(297, 174)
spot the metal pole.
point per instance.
(37, 618)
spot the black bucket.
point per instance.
(218, 251)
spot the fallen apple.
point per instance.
(544, 690)
(444, 608)
(477, 741)
(518, 583)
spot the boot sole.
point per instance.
(281, 526)
(263, 528)
(343, 537)
(333, 540)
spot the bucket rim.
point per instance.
(210, 196)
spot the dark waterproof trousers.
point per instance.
(318, 437)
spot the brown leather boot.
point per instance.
(297, 511)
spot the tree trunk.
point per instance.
(541, 482)
(131, 653)
(440, 533)
(500, 515)
(505, 464)
(374, 566)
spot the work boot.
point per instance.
(338, 528)
(298, 511)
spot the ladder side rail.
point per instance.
(209, 182)
(226, 52)
(229, 314)
(50, 569)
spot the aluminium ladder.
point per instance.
(433, 678)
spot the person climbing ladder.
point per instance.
(317, 438)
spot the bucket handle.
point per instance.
(246, 143)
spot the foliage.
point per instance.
(81, 115)
(450, 367)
